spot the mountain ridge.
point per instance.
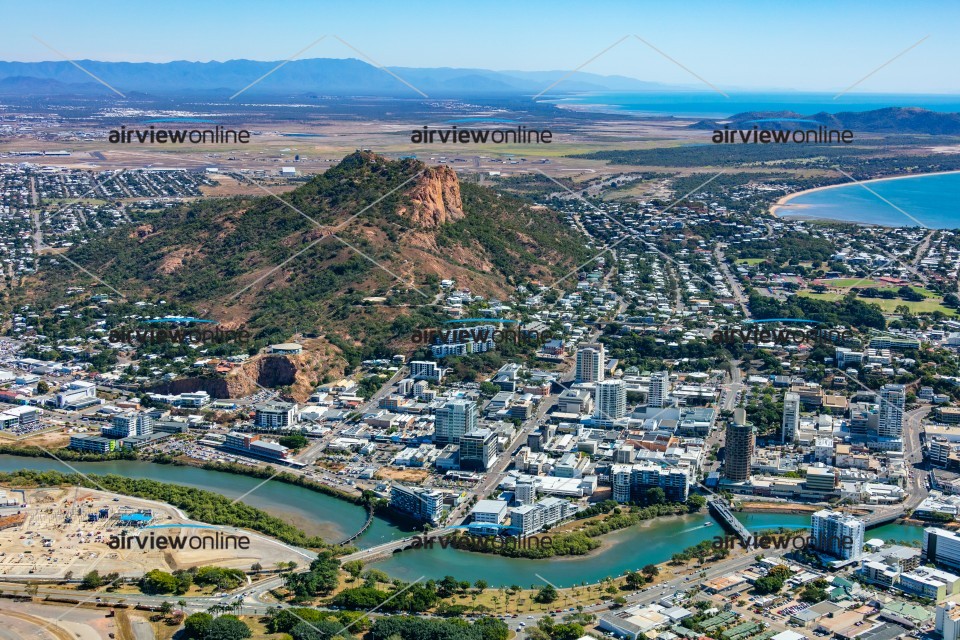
(886, 120)
(330, 76)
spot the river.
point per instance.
(315, 513)
(651, 542)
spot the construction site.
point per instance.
(64, 533)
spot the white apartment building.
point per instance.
(791, 416)
(892, 400)
(837, 534)
(610, 400)
(590, 363)
(659, 389)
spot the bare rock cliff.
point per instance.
(434, 199)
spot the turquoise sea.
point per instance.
(704, 103)
(931, 201)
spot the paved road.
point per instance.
(913, 457)
(732, 281)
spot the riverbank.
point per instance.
(74, 545)
(784, 201)
(198, 504)
(774, 507)
(260, 472)
(315, 513)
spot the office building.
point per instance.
(901, 343)
(193, 400)
(128, 424)
(610, 400)
(942, 548)
(77, 395)
(740, 442)
(837, 534)
(930, 584)
(590, 363)
(489, 511)
(821, 478)
(454, 419)
(251, 445)
(892, 400)
(421, 504)
(19, 416)
(478, 449)
(275, 415)
(791, 417)
(659, 388)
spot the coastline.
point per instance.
(783, 201)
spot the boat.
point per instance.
(707, 524)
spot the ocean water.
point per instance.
(931, 201)
(710, 104)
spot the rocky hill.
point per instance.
(361, 282)
(897, 120)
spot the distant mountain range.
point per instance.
(325, 76)
(903, 120)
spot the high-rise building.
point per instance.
(941, 547)
(948, 620)
(659, 388)
(454, 419)
(129, 424)
(611, 400)
(892, 400)
(837, 534)
(791, 416)
(739, 446)
(590, 363)
(620, 480)
(478, 449)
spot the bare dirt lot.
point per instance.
(77, 530)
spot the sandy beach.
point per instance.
(783, 202)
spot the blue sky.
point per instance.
(813, 46)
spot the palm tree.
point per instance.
(182, 604)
